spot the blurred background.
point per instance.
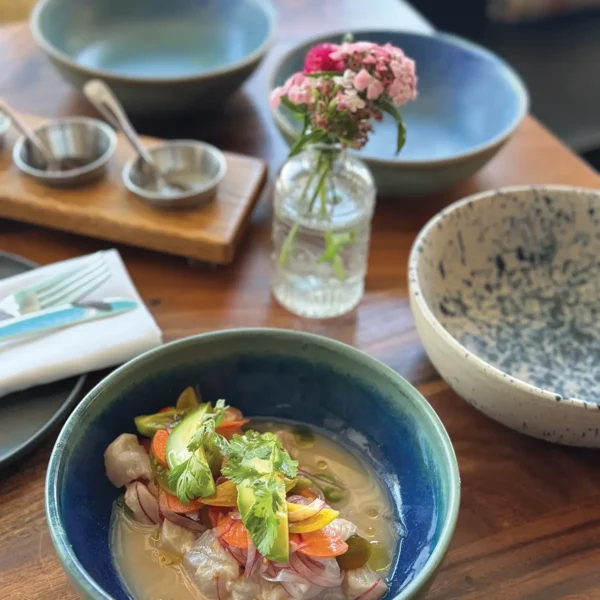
(554, 45)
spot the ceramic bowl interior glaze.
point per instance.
(350, 396)
(507, 284)
(470, 101)
(153, 52)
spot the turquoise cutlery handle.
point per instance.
(64, 316)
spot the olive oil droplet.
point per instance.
(322, 464)
(370, 531)
(372, 513)
(380, 558)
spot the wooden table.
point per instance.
(530, 517)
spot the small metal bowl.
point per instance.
(196, 165)
(4, 125)
(84, 146)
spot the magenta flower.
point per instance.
(345, 87)
(320, 58)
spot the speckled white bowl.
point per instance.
(505, 293)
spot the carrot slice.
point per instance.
(324, 543)
(159, 447)
(176, 506)
(166, 409)
(236, 423)
(233, 532)
(308, 493)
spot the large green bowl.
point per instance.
(159, 56)
(266, 372)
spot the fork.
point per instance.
(64, 288)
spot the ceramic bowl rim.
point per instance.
(62, 57)
(55, 470)
(57, 176)
(209, 185)
(417, 296)
(399, 162)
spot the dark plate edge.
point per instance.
(33, 441)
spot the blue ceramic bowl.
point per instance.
(158, 56)
(266, 372)
(470, 102)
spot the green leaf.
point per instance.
(258, 462)
(297, 109)
(269, 493)
(314, 137)
(324, 74)
(206, 434)
(192, 478)
(389, 108)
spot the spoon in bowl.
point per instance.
(52, 163)
(102, 97)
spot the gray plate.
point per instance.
(27, 417)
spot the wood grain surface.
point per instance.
(529, 523)
(107, 210)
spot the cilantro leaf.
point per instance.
(206, 435)
(269, 493)
(192, 478)
(257, 465)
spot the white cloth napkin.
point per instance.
(80, 348)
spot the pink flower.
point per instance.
(299, 94)
(362, 80)
(275, 98)
(319, 58)
(397, 68)
(375, 89)
(295, 79)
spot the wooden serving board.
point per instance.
(107, 210)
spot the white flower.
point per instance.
(347, 80)
(352, 101)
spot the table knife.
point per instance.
(60, 317)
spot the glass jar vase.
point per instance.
(323, 206)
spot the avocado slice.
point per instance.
(281, 548)
(177, 451)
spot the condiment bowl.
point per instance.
(84, 146)
(158, 57)
(470, 102)
(4, 126)
(272, 373)
(195, 166)
(505, 292)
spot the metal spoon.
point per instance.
(52, 163)
(102, 97)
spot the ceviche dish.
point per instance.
(217, 507)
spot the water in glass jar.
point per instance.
(304, 282)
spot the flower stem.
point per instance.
(288, 244)
(325, 166)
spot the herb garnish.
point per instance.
(193, 477)
(258, 463)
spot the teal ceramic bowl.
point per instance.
(470, 102)
(158, 56)
(266, 372)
